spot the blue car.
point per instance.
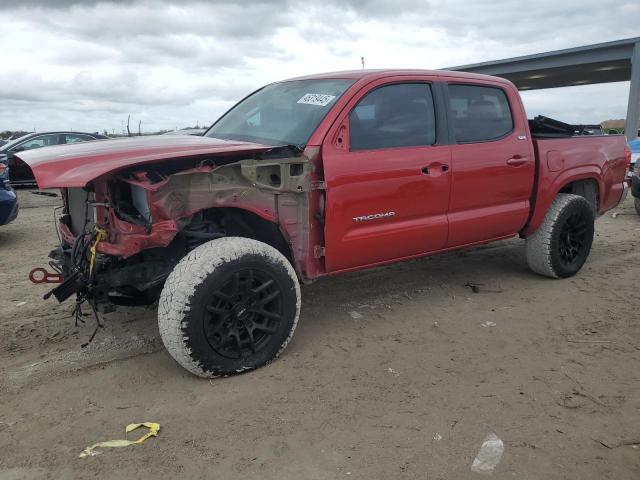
(635, 151)
(634, 168)
(8, 199)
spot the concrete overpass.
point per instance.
(616, 61)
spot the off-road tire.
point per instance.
(636, 204)
(547, 247)
(198, 296)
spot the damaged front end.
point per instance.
(122, 234)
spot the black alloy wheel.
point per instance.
(573, 238)
(561, 244)
(230, 305)
(243, 314)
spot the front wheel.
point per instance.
(229, 306)
(561, 245)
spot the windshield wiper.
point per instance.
(292, 146)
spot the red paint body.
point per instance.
(75, 165)
(474, 193)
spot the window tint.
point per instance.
(479, 113)
(400, 115)
(41, 141)
(77, 138)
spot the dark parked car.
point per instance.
(8, 200)
(19, 171)
(634, 167)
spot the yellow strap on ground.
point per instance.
(154, 428)
(100, 235)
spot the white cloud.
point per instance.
(86, 65)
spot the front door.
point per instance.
(387, 177)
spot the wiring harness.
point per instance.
(83, 259)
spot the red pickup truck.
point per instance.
(316, 176)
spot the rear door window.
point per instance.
(41, 141)
(479, 113)
(75, 138)
(398, 115)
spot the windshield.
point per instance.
(283, 113)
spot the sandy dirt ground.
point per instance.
(399, 372)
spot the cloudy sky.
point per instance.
(86, 65)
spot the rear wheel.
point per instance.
(229, 306)
(561, 245)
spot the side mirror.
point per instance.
(17, 149)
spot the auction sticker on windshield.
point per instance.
(319, 99)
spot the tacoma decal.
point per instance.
(374, 216)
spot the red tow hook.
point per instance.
(40, 275)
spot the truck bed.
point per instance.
(545, 127)
(566, 159)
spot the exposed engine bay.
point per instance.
(123, 234)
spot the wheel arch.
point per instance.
(586, 183)
(249, 224)
(586, 187)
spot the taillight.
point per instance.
(627, 155)
(3, 168)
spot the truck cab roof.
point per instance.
(371, 75)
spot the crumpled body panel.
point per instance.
(278, 190)
(76, 165)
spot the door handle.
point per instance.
(434, 169)
(517, 160)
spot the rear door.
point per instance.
(492, 162)
(387, 175)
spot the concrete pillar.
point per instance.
(633, 108)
